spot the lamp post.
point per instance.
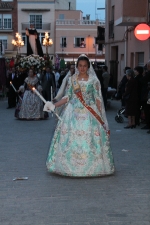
(18, 43)
(47, 42)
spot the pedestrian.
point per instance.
(80, 146)
(106, 78)
(144, 96)
(131, 97)
(138, 71)
(121, 87)
(57, 75)
(63, 86)
(48, 83)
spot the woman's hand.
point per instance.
(49, 106)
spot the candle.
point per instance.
(15, 90)
(38, 94)
(52, 96)
(51, 93)
(13, 86)
(41, 97)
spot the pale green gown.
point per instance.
(80, 146)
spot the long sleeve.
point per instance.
(97, 94)
(69, 90)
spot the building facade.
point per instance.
(121, 46)
(42, 14)
(8, 24)
(76, 34)
(72, 34)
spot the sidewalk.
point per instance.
(45, 199)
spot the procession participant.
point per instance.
(80, 146)
(31, 106)
(12, 95)
(63, 86)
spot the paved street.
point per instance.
(46, 199)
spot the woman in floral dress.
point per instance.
(80, 146)
(31, 106)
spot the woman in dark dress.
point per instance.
(131, 97)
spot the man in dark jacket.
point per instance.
(12, 95)
(48, 83)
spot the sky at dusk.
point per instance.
(90, 7)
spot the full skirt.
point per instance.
(80, 146)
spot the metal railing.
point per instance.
(6, 26)
(38, 26)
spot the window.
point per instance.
(41, 37)
(4, 41)
(61, 16)
(140, 58)
(80, 42)
(24, 38)
(5, 21)
(37, 20)
(63, 43)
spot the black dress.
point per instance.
(131, 90)
(38, 44)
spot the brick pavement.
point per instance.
(46, 199)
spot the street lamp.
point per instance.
(47, 42)
(19, 43)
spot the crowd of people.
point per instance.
(80, 146)
(47, 82)
(134, 92)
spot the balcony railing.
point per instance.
(80, 22)
(111, 29)
(63, 45)
(87, 22)
(6, 26)
(65, 22)
(39, 26)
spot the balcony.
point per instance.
(39, 26)
(6, 27)
(111, 29)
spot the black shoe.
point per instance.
(145, 127)
(133, 126)
(8, 107)
(148, 131)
